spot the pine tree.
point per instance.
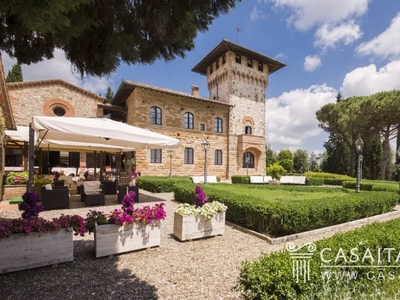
(97, 36)
(15, 74)
(109, 95)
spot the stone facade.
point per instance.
(173, 107)
(237, 78)
(40, 98)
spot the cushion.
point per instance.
(48, 187)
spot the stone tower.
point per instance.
(239, 76)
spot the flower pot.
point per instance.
(21, 251)
(274, 182)
(112, 239)
(197, 226)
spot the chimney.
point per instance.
(195, 90)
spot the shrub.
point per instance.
(352, 185)
(17, 178)
(315, 181)
(159, 184)
(42, 181)
(278, 218)
(275, 170)
(328, 175)
(334, 181)
(270, 276)
(240, 179)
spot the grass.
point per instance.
(281, 193)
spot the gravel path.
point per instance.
(200, 269)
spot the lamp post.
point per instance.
(206, 146)
(359, 149)
(247, 165)
(170, 152)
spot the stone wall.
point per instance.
(173, 108)
(39, 99)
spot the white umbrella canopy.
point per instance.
(97, 134)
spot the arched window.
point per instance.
(218, 157)
(189, 120)
(188, 156)
(218, 125)
(155, 115)
(248, 160)
(247, 130)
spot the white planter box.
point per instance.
(194, 227)
(112, 239)
(21, 251)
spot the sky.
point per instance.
(351, 47)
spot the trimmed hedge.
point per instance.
(279, 218)
(156, 184)
(334, 181)
(270, 276)
(352, 185)
(329, 175)
(315, 181)
(240, 179)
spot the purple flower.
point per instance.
(200, 198)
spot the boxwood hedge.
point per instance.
(271, 275)
(279, 218)
(156, 184)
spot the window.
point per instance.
(248, 160)
(59, 111)
(218, 157)
(188, 156)
(224, 59)
(189, 120)
(238, 59)
(155, 155)
(249, 63)
(155, 115)
(217, 65)
(247, 130)
(202, 127)
(218, 125)
(260, 67)
(211, 69)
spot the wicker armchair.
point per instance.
(55, 198)
(92, 193)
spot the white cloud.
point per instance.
(291, 116)
(368, 80)
(256, 14)
(304, 14)
(328, 35)
(59, 68)
(386, 44)
(311, 62)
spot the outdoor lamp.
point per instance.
(206, 146)
(170, 152)
(359, 149)
(359, 146)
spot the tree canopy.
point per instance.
(97, 36)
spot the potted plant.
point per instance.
(31, 241)
(276, 171)
(202, 219)
(38, 183)
(126, 229)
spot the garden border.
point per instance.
(286, 238)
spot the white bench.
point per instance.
(200, 179)
(293, 180)
(260, 179)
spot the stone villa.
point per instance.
(232, 119)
